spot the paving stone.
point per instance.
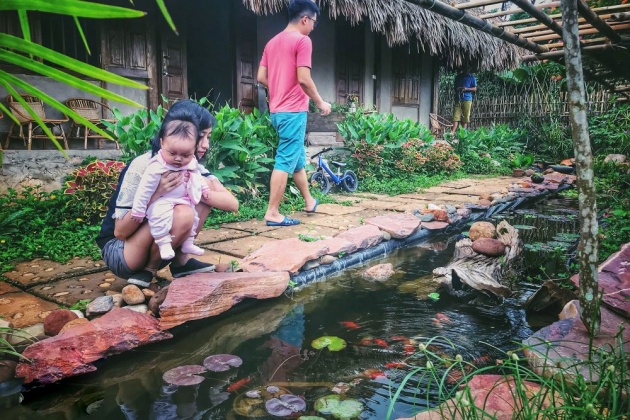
(397, 225)
(7, 288)
(347, 221)
(354, 198)
(208, 236)
(239, 247)
(252, 226)
(338, 209)
(40, 271)
(70, 291)
(453, 199)
(284, 255)
(383, 205)
(365, 236)
(309, 229)
(22, 309)
(379, 197)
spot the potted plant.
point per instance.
(353, 100)
(520, 162)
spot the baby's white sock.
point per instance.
(188, 247)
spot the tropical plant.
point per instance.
(135, 131)
(90, 188)
(522, 161)
(243, 146)
(32, 57)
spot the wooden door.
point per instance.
(246, 60)
(173, 64)
(349, 62)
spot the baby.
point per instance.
(177, 153)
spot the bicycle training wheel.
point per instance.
(350, 181)
(321, 181)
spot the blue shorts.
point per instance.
(291, 128)
(112, 254)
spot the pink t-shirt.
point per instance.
(283, 54)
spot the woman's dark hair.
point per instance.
(299, 8)
(186, 110)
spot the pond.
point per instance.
(382, 323)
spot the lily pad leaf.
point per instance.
(184, 375)
(333, 405)
(434, 296)
(221, 362)
(285, 405)
(333, 343)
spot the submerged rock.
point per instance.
(380, 272)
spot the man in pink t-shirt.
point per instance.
(285, 69)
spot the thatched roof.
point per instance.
(403, 22)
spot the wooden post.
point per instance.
(587, 249)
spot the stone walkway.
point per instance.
(36, 287)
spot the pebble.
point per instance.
(61, 294)
(110, 280)
(100, 305)
(49, 269)
(137, 308)
(47, 288)
(104, 285)
(132, 295)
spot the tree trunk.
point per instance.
(587, 250)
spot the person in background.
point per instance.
(127, 247)
(285, 69)
(465, 85)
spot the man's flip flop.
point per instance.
(314, 207)
(287, 221)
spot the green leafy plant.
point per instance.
(243, 149)
(135, 131)
(90, 188)
(80, 305)
(521, 161)
(308, 238)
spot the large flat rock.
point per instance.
(203, 295)
(614, 280)
(72, 352)
(398, 225)
(493, 395)
(362, 237)
(239, 247)
(347, 221)
(563, 347)
(210, 257)
(284, 255)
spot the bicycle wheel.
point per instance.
(320, 180)
(350, 181)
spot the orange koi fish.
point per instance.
(350, 324)
(395, 365)
(402, 338)
(409, 349)
(238, 384)
(380, 343)
(373, 373)
(441, 317)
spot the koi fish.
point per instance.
(238, 384)
(350, 324)
(441, 317)
(373, 373)
(409, 349)
(395, 365)
(366, 342)
(380, 343)
(437, 323)
(405, 340)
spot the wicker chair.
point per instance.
(439, 125)
(28, 129)
(93, 111)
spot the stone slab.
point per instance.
(379, 197)
(208, 294)
(239, 247)
(208, 236)
(39, 271)
(347, 221)
(434, 225)
(325, 138)
(210, 257)
(398, 225)
(351, 198)
(7, 288)
(453, 199)
(252, 226)
(283, 255)
(308, 229)
(337, 209)
(23, 310)
(69, 291)
(383, 205)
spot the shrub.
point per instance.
(440, 158)
(135, 131)
(91, 187)
(243, 147)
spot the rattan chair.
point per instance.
(439, 125)
(28, 129)
(93, 111)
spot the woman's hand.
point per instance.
(169, 181)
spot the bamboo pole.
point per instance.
(587, 249)
(477, 3)
(461, 16)
(525, 30)
(539, 15)
(592, 18)
(514, 11)
(557, 15)
(620, 17)
(559, 54)
(603, 40)
(590, 31)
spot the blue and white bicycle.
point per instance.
(324, 177)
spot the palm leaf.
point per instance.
(167, 16)
(18, 44)
(62, 77)
(78, 8)
(83, 38)
(3, 81)
(6, 111)
(26, 29)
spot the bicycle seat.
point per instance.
(339, 164)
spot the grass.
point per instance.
(601, 392)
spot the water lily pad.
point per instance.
(272, 389)
(434, 296)
(222, 362)
(249, 407)
(333, 405)
(255, 393)
(285, 405)
(333, 343)
(184, 375)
